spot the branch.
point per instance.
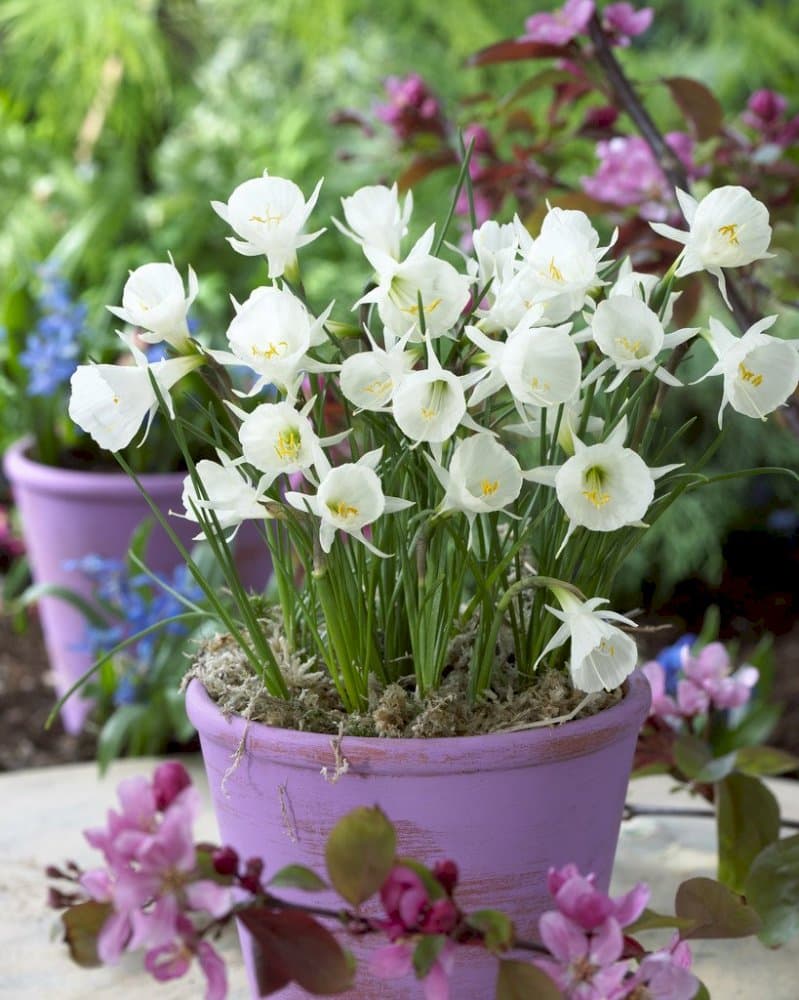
(632, 812)
(668, 161)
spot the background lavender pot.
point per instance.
(505, 807)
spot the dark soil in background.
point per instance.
(27, 697)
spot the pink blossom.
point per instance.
(395, 961)
(214, 971)
(577, 898)
(764, 108)
(561, 26)
(586, 965)
(409, 908)
(707, 681)
(664, 974)
(628, 174)
(169, 780)
(663, 705)
(412, 108)
(623, 21)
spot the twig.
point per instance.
(632, 812)
(666, 158)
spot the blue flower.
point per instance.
(670, 659)
(52, 349)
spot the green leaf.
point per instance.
(755, 728)
(426, 952)
(699, 106)
(703, 993)
(650, 920)
(748, 820)
(772, 888)
(290, 946)
(360, 853)
(82, 925)
(38, 590)
(523, 981)
(695, 759)
(117, 731)
(765, 760)
(298, 877)
(495, 926)
(716, 911)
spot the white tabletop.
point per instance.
(44, 811)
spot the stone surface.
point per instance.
(45, 810)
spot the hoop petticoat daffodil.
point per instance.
(110, 402)
(727, 228)
(276, 438)
(482, 477)
(760, 372)
(269, 214)
(228, 493)
(349, 497)
(631, 337)
(272, 333)
(369, 379)
(603, 486)
(375, 218)
(154, 300)
(601, 655)
(443, 291)
(540, 365)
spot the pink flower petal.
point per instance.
(562, 936)
(393, 961)
(214, 970)
(209, 896)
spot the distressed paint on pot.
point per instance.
(505, 807)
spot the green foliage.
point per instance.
(360, 853)
(772, 888)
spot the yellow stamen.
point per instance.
(749, 376)
(631, 346)
(378, 386)
(594, 479)
(731, 233)
(489, 488)
(267, 219)
(429, 414)
(342, 509)
(414, 310)
(554, 271)
(607, 647)
(288, 444)
(536, 384)
(115, 400)
(274, 350)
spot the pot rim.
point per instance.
(485, 752)
(22, 470)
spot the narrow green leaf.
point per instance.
(765, 760)
(772, 888)
(298, 877)
(80, 603)
(426, 952)
(524, 981)
(748, 820)
(360, 853)
(716, 911)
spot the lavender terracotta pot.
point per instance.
(67, 515)
(505, 807)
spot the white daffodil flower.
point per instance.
(153, 299)
(443, 291)
(727, 228)
(269, 213)
(375, 218)
(277, 439)
(110, 402)
(540, 365)
(349, 498)
(370, 378)
(568, 429)
(495, 248)
(561, 264)
(631, 336)
(603, 486)
(228, 493)
(760, 371)
(272, 333)
(601, 656)
(482, 477)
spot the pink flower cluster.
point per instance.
(706, 682)
(620, 20)
(766, 114)
(412, 108)
(151, 879)
(410, 912)
(586, 940)
(628, 174)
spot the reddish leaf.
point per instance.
(290, 946)
(700, 107)
(82, 926)
(514, 50)
(422, 166)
